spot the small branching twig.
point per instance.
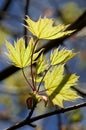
(29, 121)
(26, 13)
(32, 110)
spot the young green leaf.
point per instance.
(58, 86)
(41, 64)
(53, 77)
(60, 57)
(44, 28)
(19, 55)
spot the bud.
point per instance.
(30, 102)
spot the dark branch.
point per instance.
(26, 122)
(26, 13)
(5, 7)
(81, 91)
(7, 72)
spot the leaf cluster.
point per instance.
(49, 72)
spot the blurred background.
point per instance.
(13, 88)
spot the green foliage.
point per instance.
(59, 85)
(41, 64)
(19, 55)
(60, 57)
(44, 28)
(49, 73)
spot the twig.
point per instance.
(31, 113)
(32, 64)
(63, 110)
(80, 90)
(43, 78)
(5, 7)
(26, 13)
(32, 110)
(27, 79)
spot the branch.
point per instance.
(63, 110)
(7, 72)
(81, 91)
(26, 13)
(5, 7)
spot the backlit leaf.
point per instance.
(60, 57)
(41, 64)
(58, 86)
(19, 55)
(44, 28)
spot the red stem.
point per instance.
(27, 79)
(32, 66)
(43, 77)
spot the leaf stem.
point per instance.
(27, 79)
(43, 77)
(32, 66)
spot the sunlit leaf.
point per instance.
(53, 78)
(19, 55)
(62, 56)
(41, 64)
(44, 28)
(58, 86)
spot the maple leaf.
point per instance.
(19, 55)
(62, 56)
(58, 86)
(44, 28)
(41, 64)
